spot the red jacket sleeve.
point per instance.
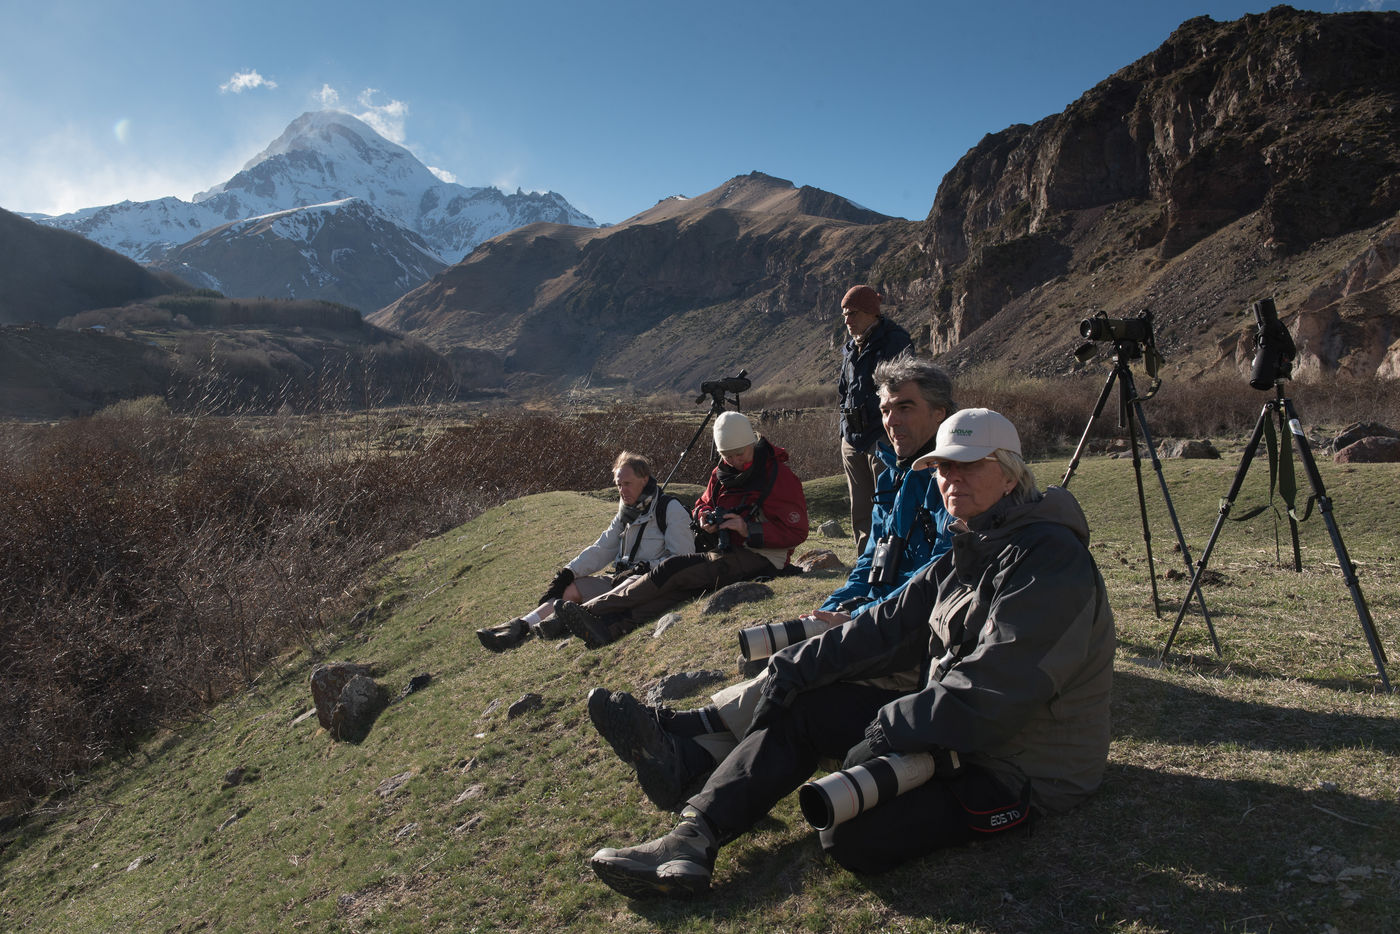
(785, 512)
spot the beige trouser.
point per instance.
(861, 467)
(736, 704)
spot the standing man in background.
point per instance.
(873, 339)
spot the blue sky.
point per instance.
(615, 105)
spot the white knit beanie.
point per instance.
(733, 431)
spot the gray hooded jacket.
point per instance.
(1016, 640)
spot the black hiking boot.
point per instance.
(595, 631)
(678, 865)
(505, 636)
(670, 768)
(551, 627)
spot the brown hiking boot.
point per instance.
(678, 865)
(505, 636)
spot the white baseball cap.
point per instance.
(970, 435)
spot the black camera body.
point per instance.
(722, 537)
(884, 566)
(1103, 328)
(1273, 360)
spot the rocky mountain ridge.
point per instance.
(1250, 153)
(666, 298)
(1240, 160)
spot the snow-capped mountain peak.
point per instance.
(325, 157)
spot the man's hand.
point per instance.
(875, 744)
(832, 618)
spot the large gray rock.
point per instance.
(819, 559)
(726, 598)
(1201, 450)
(360, 702)
(327, 681)
(682, 684)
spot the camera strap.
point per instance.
(958, 643)
(663, 500)
(1281, 476)
(989, 807)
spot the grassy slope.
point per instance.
(1254, 792)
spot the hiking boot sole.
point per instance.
(642, 880)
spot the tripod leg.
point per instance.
(1287, 483)
(1171, 511)
(1127, 411)
(1084, 438)
(693, 438)
(1225, 505)
(1348, 569)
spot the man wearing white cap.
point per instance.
(754, 507)
(1018, 647)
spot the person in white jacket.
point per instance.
(649, 527)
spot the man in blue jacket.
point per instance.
(873, 340)
(673, 750)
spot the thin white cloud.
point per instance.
(245, 81)
(443, 175)
(95, 174)
(328, 97)
(386, 119)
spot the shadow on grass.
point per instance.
(1150, 710)
(1164, 845)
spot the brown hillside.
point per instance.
(48, 274)
(678, 292)
(1240, 160)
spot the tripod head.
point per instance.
(718, 392)
(1132, 339)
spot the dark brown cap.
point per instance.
(862, 298)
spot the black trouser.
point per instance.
(823, 724)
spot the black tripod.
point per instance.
(715, 390)
(1288, 422)
(1129, 405)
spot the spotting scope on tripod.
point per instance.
(722, 394)
(1132, 339)
(1272, 366)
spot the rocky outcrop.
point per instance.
(1286, 119)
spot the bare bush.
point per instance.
(150, 564)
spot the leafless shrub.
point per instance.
(151, 563)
